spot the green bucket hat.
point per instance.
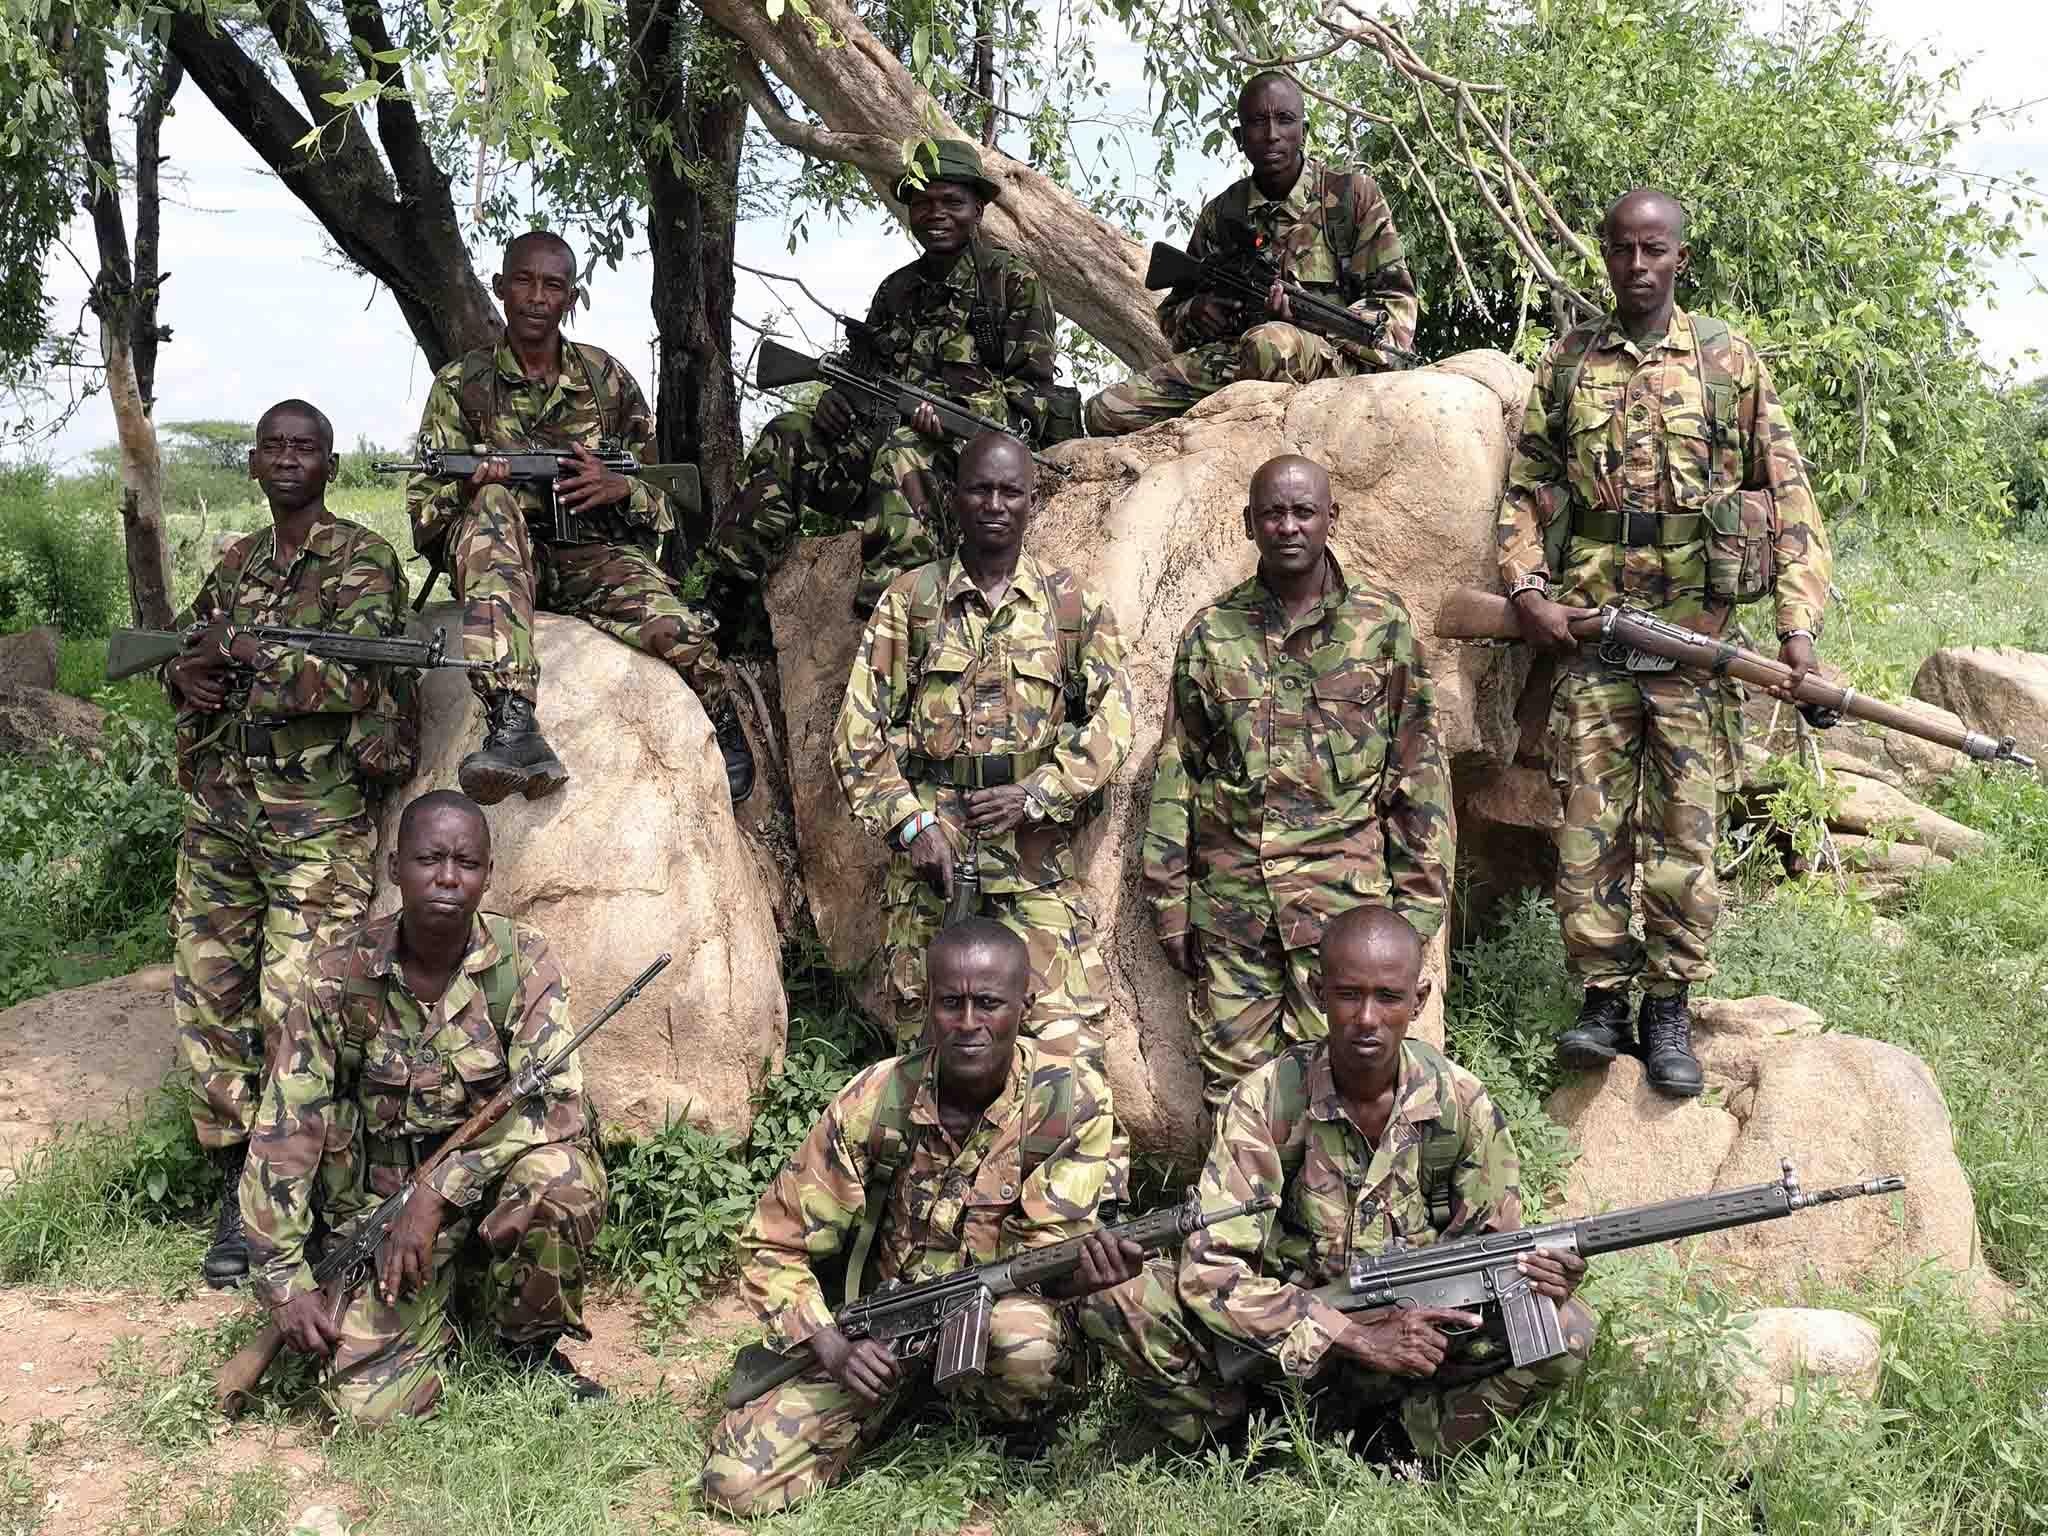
(958, 161)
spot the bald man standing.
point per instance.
(1656, 468)
(1300, 777)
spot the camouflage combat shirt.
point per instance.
(344, 578)
(1301, 774)
(924, 334)
(594, 397)
(1639, 416)
(418, 1072)
(990, 684)
(1371, 278)
(1283, 1131)
(951, 1205)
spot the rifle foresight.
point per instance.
(778, 367)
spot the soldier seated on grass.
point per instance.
(979, 1146)
(1368, 1139)
(404, 1029)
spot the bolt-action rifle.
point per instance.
(139, 650)
(1481, 1274)
(1250, 274)
(1627, 634)
(345, 1267)
(948, 1317)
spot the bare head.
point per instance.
(1289, 516)
(293, 458)
(537, 286)
(994, 494)
(978, 988)
(1642, 244)
(1371, 986)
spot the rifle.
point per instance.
(130, 651)
(1248, 276)
(345, 1267)
(778, 367)
(953, 1311)
(1627, 635)
(542, 467)
(1480, 1272)
(966, 898)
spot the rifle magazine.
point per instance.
(962, 1351)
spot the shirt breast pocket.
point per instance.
(981, 1224)
(1350, 709)
(383, 1090)
(1689, 461)
(481, 1070)
(1034, 695)
(1589, 426)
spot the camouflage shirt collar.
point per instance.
(1416, 1091)
(324, 540)
(380, 947)
(1254, 594)
(1027, 581)
(1678, 336)
(573, 376)
(1008, 1105)
(1313, 174)
(960, 276)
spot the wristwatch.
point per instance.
(1786, 637)
(1535, 582)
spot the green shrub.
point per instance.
(61, 560)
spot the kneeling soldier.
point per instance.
(1368, 1138)
(978, 1147)
(403, 1030)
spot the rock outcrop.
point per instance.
(1790, 1346)
(90, 1055)
(29, 659)
(1874, 809)
(637, 854)
(1154, 521)
(1999, 690)
(1843, 1108)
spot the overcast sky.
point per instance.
(262, 311)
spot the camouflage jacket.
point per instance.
(983, 684)
(924, 333)
(484, 401)
(1639, 413)
(344, 578)
(1371, 277)
(1301, 774)
(365, 1078)
(1283, 1131)
(950, 1205)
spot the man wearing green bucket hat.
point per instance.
(967, 320)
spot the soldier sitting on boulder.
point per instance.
(1369, 1139)
(404, 1029)
(968, 320)
(279, 753)
(535, 388)
(1300, 776)
(1329, 230)
(978, 1146)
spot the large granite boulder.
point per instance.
(1154, 521)
(2000, 690)
(89, 1055)
(638, 853)
(1778, 1086)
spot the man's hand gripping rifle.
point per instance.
(948, 1317)
(1480, 1274)
(542, 467)
(345, 1267)
(1249, 276)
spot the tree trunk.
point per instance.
(690, 226)
(143, 331)
(869, 105)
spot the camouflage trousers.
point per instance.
(531, 1231)
(1275, 350)
(501, 575)
(802, 1436)
(895, 483)
(252, 907)
(1249, 1005)
(1143, 1326)
(1644, 759)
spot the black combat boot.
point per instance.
(1601, 1034)
(1666, 1025)
(226, 1264)
(732, 746)
(514, 756)
(541, 1355)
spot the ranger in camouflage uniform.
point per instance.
(1368, 1139)
(537, 389)
(1300, 777)
(980, 1146)
(1332, 233)
(402, 1031)
(968, 320)
(1656, 468)
(277, 754)
(988, 704)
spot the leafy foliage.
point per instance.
(60, 563)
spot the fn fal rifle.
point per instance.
(1247, 277)
(1481, 1274)
(1627, 634)
(948, 1317)
(139, 650)
(344, 1268)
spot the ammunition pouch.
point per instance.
(1062, 415)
